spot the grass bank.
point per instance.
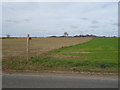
(97, 55)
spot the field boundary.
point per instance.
(58, 72)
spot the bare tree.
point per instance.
(66, 34)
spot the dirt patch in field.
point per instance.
(66, 57)
(81, 52)
(17, 48)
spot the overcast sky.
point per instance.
(55, 18)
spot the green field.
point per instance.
(97, 55)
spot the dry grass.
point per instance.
(13, 49)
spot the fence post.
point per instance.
(28, 46)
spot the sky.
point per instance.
(41, 19)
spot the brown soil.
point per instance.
(80, 52)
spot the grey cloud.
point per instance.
(8, 20)
(93, 26)
(95, 22)
(11, 21)
(116, 24)
(92, 30)
(74, 27)
(12, 8)
(27, 20)
(84, 18)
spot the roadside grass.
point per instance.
(39, 64)
(98, 55)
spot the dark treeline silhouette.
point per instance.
(87, 35)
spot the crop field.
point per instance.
(99, 54)
(16, 48)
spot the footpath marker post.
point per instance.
(28, 46)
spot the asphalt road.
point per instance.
(56, 81)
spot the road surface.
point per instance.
(57, 81)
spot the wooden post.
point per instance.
(28, 46)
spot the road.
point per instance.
(57, 81)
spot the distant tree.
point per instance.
(53, 36)
(8, 36)
(77, 36)
(62, 36)
(66, 34)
